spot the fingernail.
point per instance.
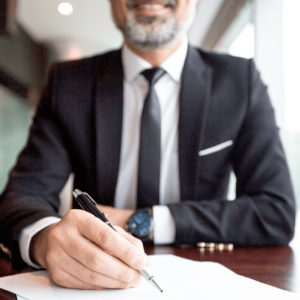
(139, 263)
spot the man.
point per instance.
(214, 115)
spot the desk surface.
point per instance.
(276, 266)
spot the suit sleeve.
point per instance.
(263, 212)
(42, 169)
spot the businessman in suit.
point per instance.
(155, 127)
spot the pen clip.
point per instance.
(75, 197)
(95, 203)
(90, 198)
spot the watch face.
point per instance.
(139, 225)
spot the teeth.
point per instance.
(150, 6)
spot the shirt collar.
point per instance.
(133, 64)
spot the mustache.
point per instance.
(170, 3)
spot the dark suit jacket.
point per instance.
(77, 129)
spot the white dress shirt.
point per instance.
(136, 88)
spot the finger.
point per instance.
(111, 241)
(67, 280)
(90, 277)
(97, 260)
(134, 241)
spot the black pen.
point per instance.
(86, 202)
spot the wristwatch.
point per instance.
(140, 225)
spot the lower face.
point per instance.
(152, 24)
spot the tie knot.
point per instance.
(153, 75)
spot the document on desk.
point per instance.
(180, 279)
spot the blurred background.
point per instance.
(33, 33)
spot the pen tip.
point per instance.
(156, 285)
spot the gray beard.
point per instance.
(147, 32)
(150, 32)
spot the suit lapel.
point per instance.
(194, 103)
(108, 116)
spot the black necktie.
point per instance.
(149, 154)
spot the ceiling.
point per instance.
(90, 29)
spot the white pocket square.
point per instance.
(215, 148)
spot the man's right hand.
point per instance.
(75, 253)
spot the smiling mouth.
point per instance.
(150, 5)
(154, 6)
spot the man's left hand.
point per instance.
(118, 217)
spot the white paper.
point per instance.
(179, 278)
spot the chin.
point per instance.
(151, 32)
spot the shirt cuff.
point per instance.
(164, 225)
(27, 234)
